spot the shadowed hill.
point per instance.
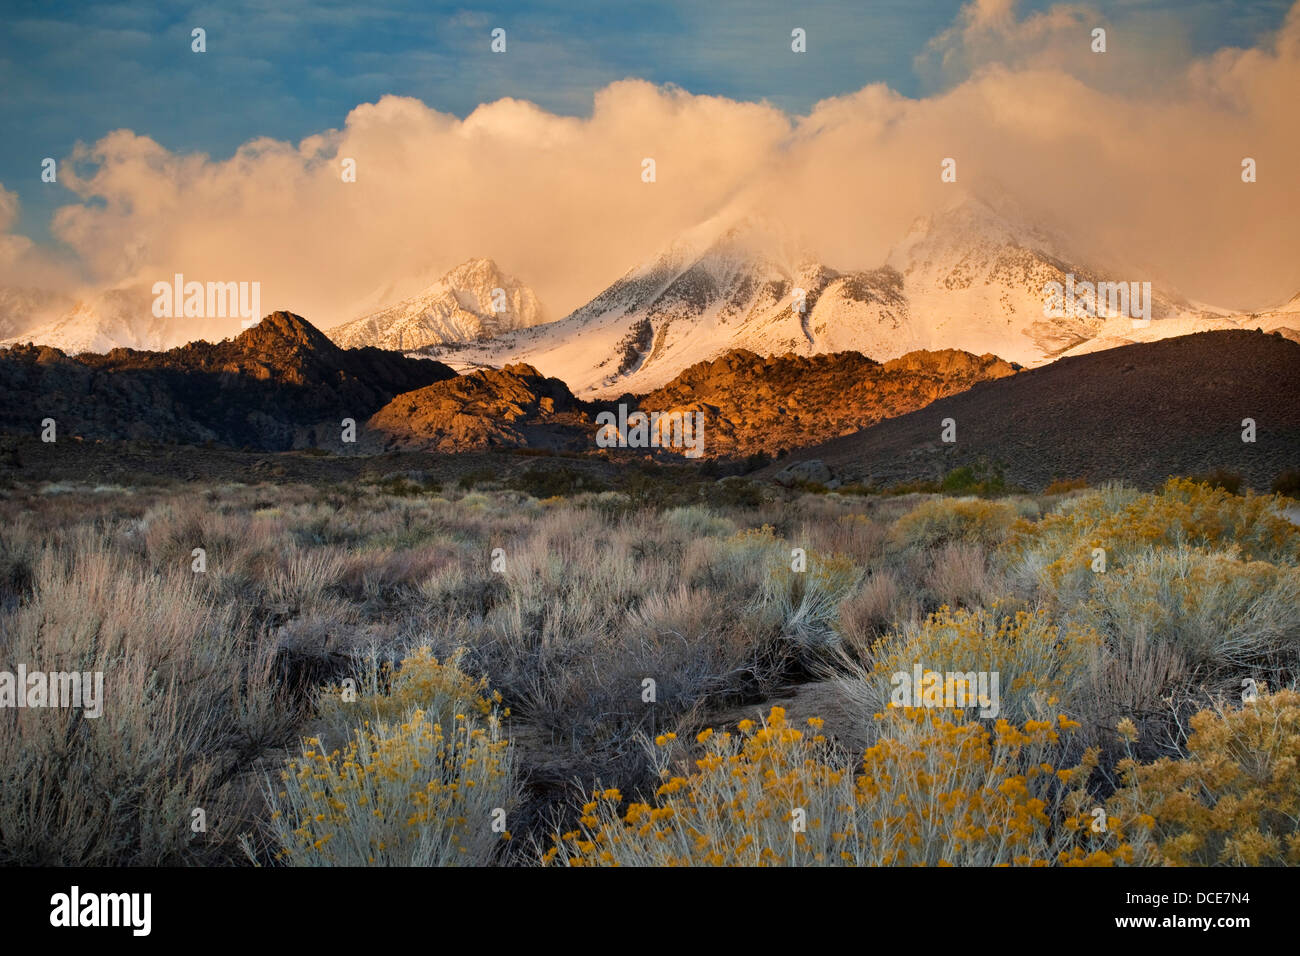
(1139, 413)
(281, 384)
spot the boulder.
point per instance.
(814, 470)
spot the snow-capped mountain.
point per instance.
(971, 276)
(474, 301)
(119, 317)
(974, 277)
(724, 285)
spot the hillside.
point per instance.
(1137, 413)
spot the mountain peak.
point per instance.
(476, 300)
(474, 264)
(284, 330)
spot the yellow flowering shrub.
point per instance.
(1038, 662)
(1234, 800)
(408, 794)
(440, 689)
(1059, 548)
(416, 783)
(939, 521)
(934, 791)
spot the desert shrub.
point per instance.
(960, 575)
(408, 484)
(977, 479)
(858, 489)
(475, 477)
(871, 609)
(188, 702)
(591, 611)
(1057, 552)
(915, 487)
(386, 695)
(399, 794)
(941, 520)
(932, 791)
(1233, 800)
(732, 492)
(807, 601)
(697, 521)
(303, 578)
(1060, 486)
(864, 540)
(19, 547)
(1224, 617)
(556, 482)
(1038, 662)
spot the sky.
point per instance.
(226, 162)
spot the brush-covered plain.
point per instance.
(394, 673)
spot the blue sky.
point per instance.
(74, 71)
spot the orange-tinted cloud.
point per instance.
(1147, 174)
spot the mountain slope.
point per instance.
(459, 307)
(1137, 413)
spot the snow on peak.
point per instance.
(120, 317)
(472, 302)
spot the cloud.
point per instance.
(23, 263)
(557, 200)
(1149, 172)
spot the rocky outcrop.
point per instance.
(514, 406)
(755, 404)
(812, 471)
(280, 385)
